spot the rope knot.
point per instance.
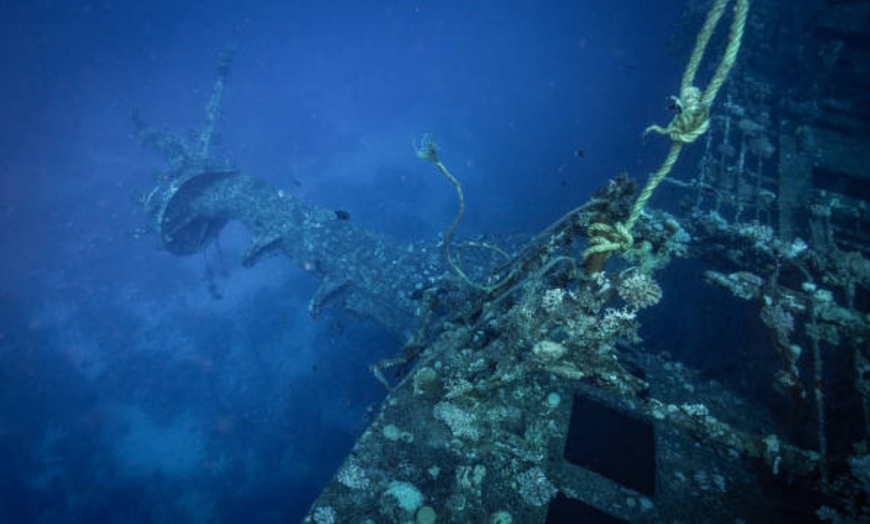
(694, 118)
(606, 238)
(691, 122)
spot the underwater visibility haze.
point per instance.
(415, 262)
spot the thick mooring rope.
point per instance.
(692, 121)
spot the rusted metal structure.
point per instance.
(535, 399)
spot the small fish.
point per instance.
(578, 153)
(296, 182)
(341, 214)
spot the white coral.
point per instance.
(639, 290)
(461, 423)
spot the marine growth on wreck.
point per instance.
(530, 387)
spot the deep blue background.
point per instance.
(125, 386)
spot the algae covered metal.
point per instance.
(536, 400)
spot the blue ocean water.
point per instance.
(136, 386)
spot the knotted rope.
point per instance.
(692, 121)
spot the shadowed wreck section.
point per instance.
(191, 206)
(197, 196)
